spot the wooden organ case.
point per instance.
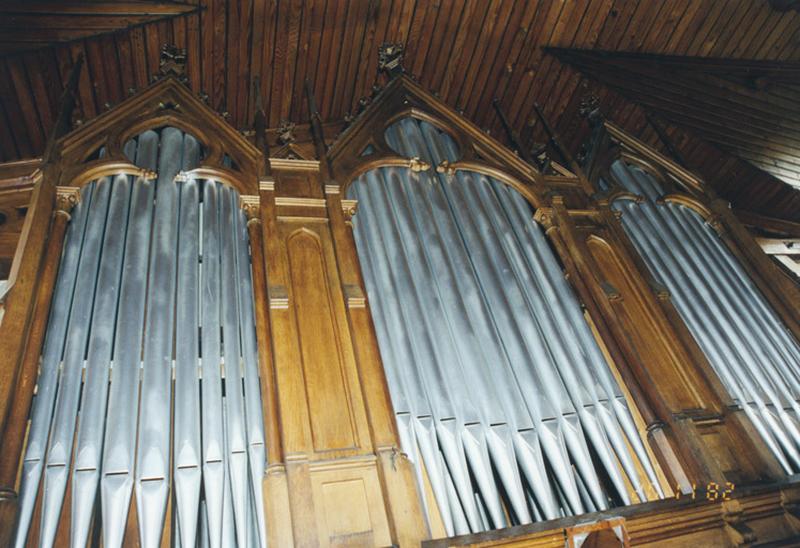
(336, 423)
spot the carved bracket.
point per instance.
(251, 206)
(349, 208)
(67, 197)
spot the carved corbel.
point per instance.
(349, 208)
(251, 205)
(544, 217)
(67, 197)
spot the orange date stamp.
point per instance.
(713, 491)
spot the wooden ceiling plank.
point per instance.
(335, 33)
(514, 66)
(152, 48)
(746, 43)
(122, 44)
(357, 55)
(696, 42)
(244, 76)
(256, 55)
(41, 98)
(193, 51)
(592, 24)
(233, 17)
(750, 49)
(15, 70)
(534, 72)
(486, 45)
(505, 62)
(662, 31)
(218, 56)
(693, 17)
(441, 40)
(8, 148)
(370, 70)
(350, 43)
(522, 72)
(461, 34)
(207, 47)
(776, 41)
(494, 61)
(472, 34)
(98, 8)
(138, 54)
(616, 21)
(268, 58)
(113, 69)
(311, 16)
(419, 36)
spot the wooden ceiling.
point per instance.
(467, 51)
(31, 25)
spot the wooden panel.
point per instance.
(643, 330)
(349, 506)
(332, 421)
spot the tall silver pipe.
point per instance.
(500, 389)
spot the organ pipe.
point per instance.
(150, 365)
(501, 392)
(752, 351)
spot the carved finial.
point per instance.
(67, 197)
(589, 108)
(251, 206)
(172, 63)
(203, 96)
(390, 58)
(286, 132)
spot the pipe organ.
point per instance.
(748, 345)
(407, 335)
(149, 366)
(490, 362)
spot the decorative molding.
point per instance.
(278, 297)
(354, 296)
(287, 164)
(266, 185)
(332, 189)
(300, 202)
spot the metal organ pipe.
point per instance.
(503, 397)
(755, 355)
(150, 367)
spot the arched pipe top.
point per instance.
(107, 167)
(625, 195)
(689, 201)
(445, 168)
